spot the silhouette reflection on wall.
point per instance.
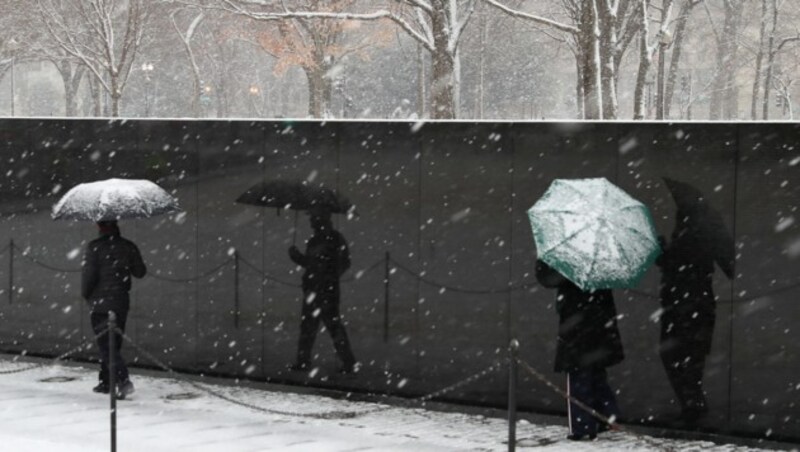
(699, 239)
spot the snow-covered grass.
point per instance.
(50, 415)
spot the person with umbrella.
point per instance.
(699, 240)
(110, 261)
(325, 260)
(590, 237)
(588, 342)
(108, 265)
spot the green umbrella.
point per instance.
(594, 233)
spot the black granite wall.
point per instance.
(442, 208)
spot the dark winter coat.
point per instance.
(588, 337)
(687, 289)
(325, 260)
(108, 265)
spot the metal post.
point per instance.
(112, 384)
(513, 351)
(11, 271)
(386, 299)
(236, 288)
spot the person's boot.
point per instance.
(124, 389)
(101, 388)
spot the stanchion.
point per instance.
(513, 351)
(387, 271)
(112, 383)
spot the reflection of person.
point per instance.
(108, 264)
(687, 296)
(588, 343)
(325, 260)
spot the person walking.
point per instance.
(325, 260)
(108, 265)
(588, 342)
(699, 240)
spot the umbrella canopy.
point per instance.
(295, 195)
(114, 199)
(594, 233)
(698, 223)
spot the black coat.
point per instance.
(108, 264)
(325, 260)
(588, 337)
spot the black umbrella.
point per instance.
(696, 217)
(295, 195)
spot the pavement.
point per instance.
(52, 408)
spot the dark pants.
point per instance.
(99, 323)
(325, 309)
(685, 343)
(589, 386)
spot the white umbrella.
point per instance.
(594, 233)
(114, 199)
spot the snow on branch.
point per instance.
(532, 17)
(287, 14)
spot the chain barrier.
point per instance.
(291, 284)
(265, 275)
(60, 357)
(609, 422)
(193, 278)
(27, 255)
(359, 274)
(334, 414)
(461, 289)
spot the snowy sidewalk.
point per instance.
(40, 411)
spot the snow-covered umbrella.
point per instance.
(114, 199)
(594, 233)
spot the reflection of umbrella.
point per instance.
(594, 233)
(114, 199)
(702, 224)
(294, 195)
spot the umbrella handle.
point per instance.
(294, 230)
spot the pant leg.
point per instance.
(683, 362)
(120, 367)
(309, 324)
(99, 323)
(333, 322)
(605, 401)
(580, 386)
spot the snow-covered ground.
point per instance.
(40, 411)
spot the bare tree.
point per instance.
(601, 32)
(104, 35)
(681, 23)
(186, 38)
(646, 52)
(437, 25)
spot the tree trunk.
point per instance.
(759, 61)
(645, 61)
(421, 82)
(591, 85)
(677, 50)
(770, 61)
(579, 88)
(724, 105)
(608, 44)
(443, 97)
